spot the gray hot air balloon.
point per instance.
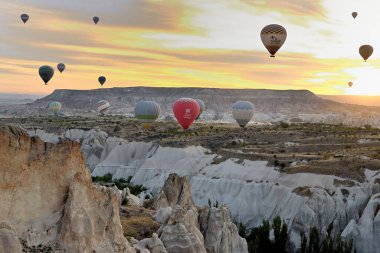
(95, 19)
(147, 112)
(202, 107)
(102, 106)
(24, 18)
(46, 73)
(242, 111)
(354, 14)
(55, 107)
(61, 67)
(102, 80)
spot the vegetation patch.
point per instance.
(139, 227)
(120, 183)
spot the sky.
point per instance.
(189, 43)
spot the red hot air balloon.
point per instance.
(186, 110)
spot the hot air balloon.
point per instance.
(46, 73)
(350, 84)
(102, 80)
(55, 107)
(61, 67)
(186, 110)
(102, 106)
(365, 51)
(273, 37)
(147, 112)
(354, 14)
(24, 18)
(96, 19)
(242, 111)
(202, 107)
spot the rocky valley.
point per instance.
(310, 175)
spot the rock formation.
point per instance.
(131, 199)
(150, 245)
(366, 231)
(182, 232)
(9, 241)
(47, 196)
(220, 234)
(176, 191)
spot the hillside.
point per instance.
(270, 105)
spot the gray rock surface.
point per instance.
(180, 235)
(151, 245)
(366, 231)
(220, 234)
(186, 230)
(9, 242)
(91, 221)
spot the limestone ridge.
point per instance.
(192, 231)
(47, 198)
(286, 102)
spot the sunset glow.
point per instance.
(189, 43)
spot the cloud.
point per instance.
(293, 7)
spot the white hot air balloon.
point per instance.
(102, 106)
(147, 112)
(55, 107)
(202, 107)
(243, 112)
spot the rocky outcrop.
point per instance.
(176, 191)
(91, 220)
(186, 230)
(220, 234)
(366, 232)
(9, 241)
(180, 234)
(150, 245)
(129, 198)
(47, 195)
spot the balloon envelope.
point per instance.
(350, 84)
(202, 107)
(366, 51)
(46, 73)
(55, 107)
(186, 110)
(147, 112)
(95, 19)
(242, 111)
(273, 37)
(24, 18)
(102, 106)
(102, 80)
(354, 14)
(61, 67)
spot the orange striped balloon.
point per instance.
(273, 37)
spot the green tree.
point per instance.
(303, 242)
(314, 241)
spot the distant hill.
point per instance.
(11, 98)
(354, 99)
(270, 105)
(266, 101)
